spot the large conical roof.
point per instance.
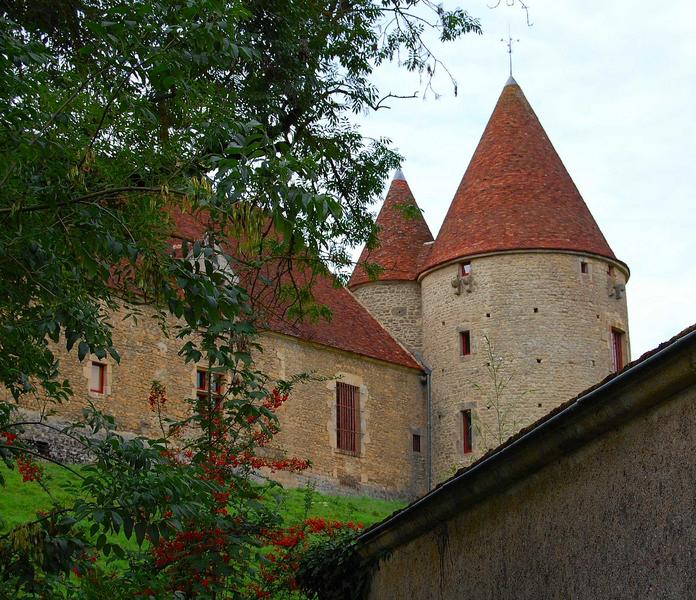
(403, 237)
(516, 193)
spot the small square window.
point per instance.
(467, 432)
(584, 267)
(465, 269)
(97, 378)
(416, 442)
(465, 342)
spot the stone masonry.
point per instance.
(392, 406)
(547, 322)
(397, 306)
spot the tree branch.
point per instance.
(87, 198)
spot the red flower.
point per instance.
(29, 469)
(9, 437)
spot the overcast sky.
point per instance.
(614, 86)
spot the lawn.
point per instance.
(19, 501)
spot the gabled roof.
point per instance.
(351, 327)
(516, 193)
(403, 233)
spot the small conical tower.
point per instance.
(394, 297)
(521, 291)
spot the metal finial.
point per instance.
(509, 43)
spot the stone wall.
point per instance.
(397, 306)
(392, 406)
(611, 520)
(550, 328)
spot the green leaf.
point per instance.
(140, 530)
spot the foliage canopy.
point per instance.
(119, 121)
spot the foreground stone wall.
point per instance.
(612, 520)
(392, 403)
(397, 306)
(550, 327)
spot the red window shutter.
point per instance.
(97, 378)
(465, 342)
(466, 432)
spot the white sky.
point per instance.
(614, 85)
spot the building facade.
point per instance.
(516, 306)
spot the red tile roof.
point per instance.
(516, 193)
(403, 233)
(350, 327)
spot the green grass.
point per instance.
(19, 501)
(340, 508)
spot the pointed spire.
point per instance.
(516, 193)
(402, 237)
(510, 81)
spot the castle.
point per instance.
(518, 305)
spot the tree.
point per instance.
(119, 121)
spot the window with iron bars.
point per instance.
(348, 418)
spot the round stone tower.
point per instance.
(394, 296)
(523, 300)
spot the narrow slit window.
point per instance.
(465, 342)
(97, 378)
(465, 269)
(584, 268)
(347, 417)
(467, 432)
(617, 349)
(416, 442)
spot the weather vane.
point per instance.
(509, 43)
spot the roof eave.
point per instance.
(493, 252)
(619, 399)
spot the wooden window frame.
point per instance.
(416, 442)
(348, 418)
(465, 342)
(102, 378)
(202, 391)
(467, 432)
